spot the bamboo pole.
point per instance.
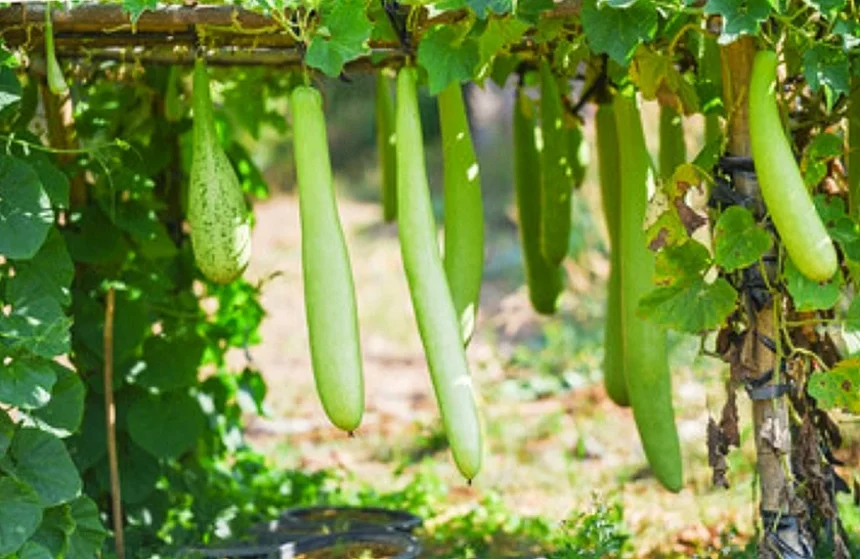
(229, 35)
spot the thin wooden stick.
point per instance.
(110, 421)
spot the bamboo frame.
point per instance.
(170, 34)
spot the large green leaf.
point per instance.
(617, 31)
(10, 87)
(692, 306)
(809, 295)
(26, 382)
(42, 461)
(20, 514)
(740, 17)
(49, 273)
(33, 550)
(56, 527)
(738, 240)
(37, 325)
(153, 424)
(138, 473)
(64, 412)
(448, 55)
(171, 363)
(829, 69)
(342, 36)
(86, 540)
(25, 209)
(839, 387)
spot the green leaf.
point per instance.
(146, 229)
(740, 17)
(827, 68)
(829, 7)
(134, 8)
(738, 240)
(138, 473)
(98, 241)
(153, 421)
(42, 461)
(530, 10)
(448, 55)
(252, 392)
(7, 431)
(54, 181)
(841, 227)
(171, 363)
(839, 387)
(32, 550)
(341, 37)
(25, 209)
(49, 273)
(26, 382)
(37, 326)
(849, 31)
(825, 146)
(484, 8)
(618, 31)
(86, 541)
(852, 316)
(680, 262)
(54, 531)
(20, 514)
(810, 295)
(10, 87)
(65, 411)
(692, 306)
(499, 34)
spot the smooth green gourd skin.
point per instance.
(386, 143)
(328, 285)
(172, 104)
(219, 218)
(579, 155)
(544, 280)
(854, 149)
(710, 70)
(610, 188)
(645, 360)
(428, 287)
(782, 187)
(464, 210)
(555, 171)
(56, 82)
(673, 151)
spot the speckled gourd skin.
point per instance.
(219, 218)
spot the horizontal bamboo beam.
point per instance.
(230, 35)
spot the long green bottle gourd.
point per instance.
(710, 70)
(56, 82)
(645, 360)
(329, 290)
(673, 151)
(172, 104)
(579, 154)
(219, 218)
(385, 147)
(428, 287)
(782, 187)
(854, 149)
(555, 171)
(544, 281)
(610, 187)
(464, 210)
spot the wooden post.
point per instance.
(758, 354)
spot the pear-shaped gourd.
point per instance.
(220, 224)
